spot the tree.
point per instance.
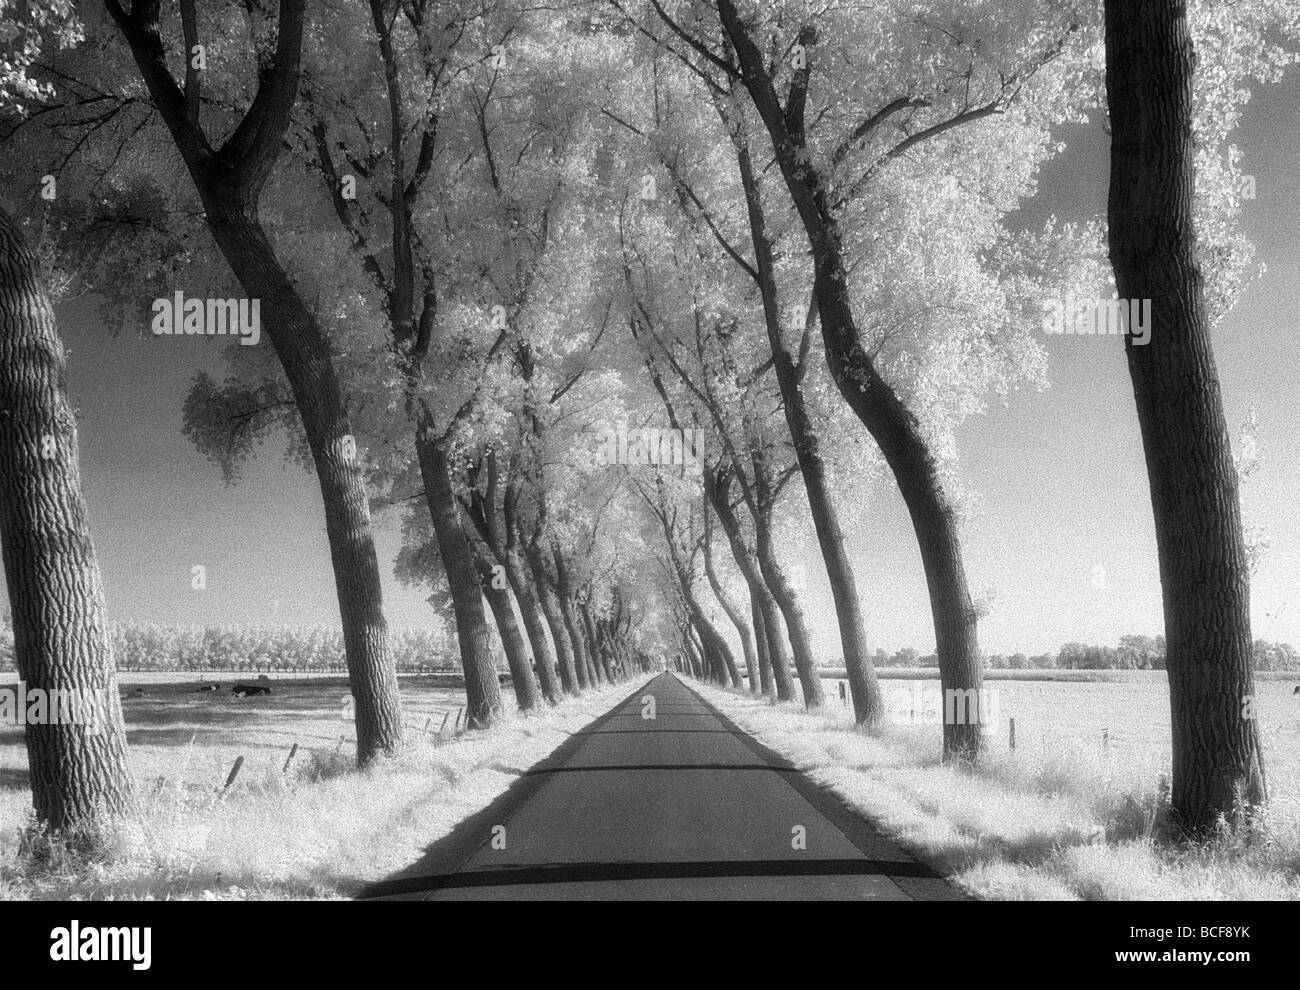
(491, 521)
(1218, 769)
(842, 140)
(704, 356)
(906, 657)
(80, 775)
(868, 704)
(56, 630)
(229, 178)
(792, 375)
(1071, 656)
(729, 605)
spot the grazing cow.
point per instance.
(207, 687)
(245, 690)
(1297, 690)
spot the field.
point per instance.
(192, 740)
(1123, 725)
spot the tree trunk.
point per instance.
(778, 657)
(760, 676)
(804, 661)
(80, 773)
(229, 182)
(512, 638)
(593, 649)
(868, 703)
(564, 592)
(534, 623)
(1218, 766)
(482, 687)
(729, 606)
(934, 519)
(710, 665)
(304, 353)
(713, 645)
(598, 648)
(581, 662)
(727, 674)
(550, 604)
(777, 654)
(890, 423)
(694, 659)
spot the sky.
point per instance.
(1063, 537)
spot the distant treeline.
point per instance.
(145, 646)
(1132, 653)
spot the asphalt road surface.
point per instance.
(679, 806)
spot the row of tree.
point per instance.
(1134, 652)
(144, 646)
(483, 234)
(853, 157)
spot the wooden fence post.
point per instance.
(234, 772)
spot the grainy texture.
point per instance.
(482, 687)
(729, 605)
(512, 638)
(550, 605)
(774, 660)
(890, 423)
(79, 773)
(868, 706)
(1217, 761)
(229, 181)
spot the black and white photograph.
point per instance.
(650, 451)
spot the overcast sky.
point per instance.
(1065, 535)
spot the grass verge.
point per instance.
(1062, 822)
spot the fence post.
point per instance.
(1013, 734)
(234, 772)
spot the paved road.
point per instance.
(683, 806)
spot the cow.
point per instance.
(245, 690)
